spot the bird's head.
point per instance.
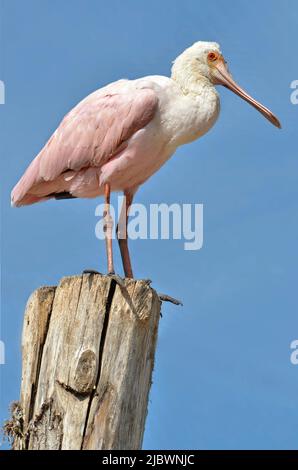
(203, 64)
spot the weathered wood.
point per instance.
(88, 354)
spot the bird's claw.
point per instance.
(91, 271)
(112, 275)
(117, 279)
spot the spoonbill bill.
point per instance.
(120, 135)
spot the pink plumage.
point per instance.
(92, 134)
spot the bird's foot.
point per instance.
(112, 275)
(117, 279)
(91, 271)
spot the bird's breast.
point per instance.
(188, 117)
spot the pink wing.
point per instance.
(89, 135)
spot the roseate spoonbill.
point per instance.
(121, 134)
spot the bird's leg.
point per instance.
(108, 228)
(122, 234)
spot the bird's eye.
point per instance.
(212, 57)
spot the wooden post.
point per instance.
(88, 353)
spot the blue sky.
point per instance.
(223, 377)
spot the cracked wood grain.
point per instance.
(88, 350)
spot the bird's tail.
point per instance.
(20, 194)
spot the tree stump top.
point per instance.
(88, 353)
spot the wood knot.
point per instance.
(85, 374)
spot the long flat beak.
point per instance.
(222, 76)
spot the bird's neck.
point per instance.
(191, 84)
(196, 110)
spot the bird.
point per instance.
(117, 137)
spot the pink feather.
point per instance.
(89, 136)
